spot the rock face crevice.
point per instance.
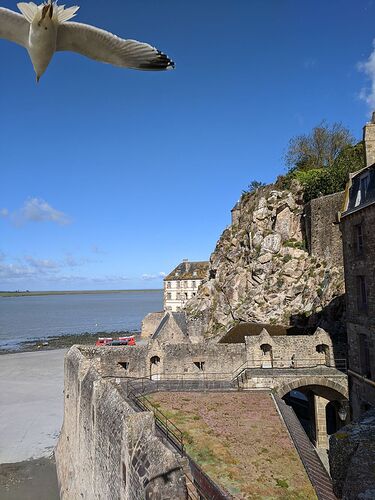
(261, 270)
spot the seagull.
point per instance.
(44, 29)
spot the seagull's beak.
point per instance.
(37, 78)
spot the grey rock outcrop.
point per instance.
(261, 271)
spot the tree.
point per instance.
(254, 185)
(319, 149)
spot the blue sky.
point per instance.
(109, 177)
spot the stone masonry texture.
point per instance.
(106, 450)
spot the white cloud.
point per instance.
(42, 265)
(4, 212)
(38, 210)
(150, 277)
(368, 67)
(29, 271)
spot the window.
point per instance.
(186, 295)
(168, 284)
(199, 365)
(362, 301)
(358, 235)
(364, 356)
(177, 284)
(169, 296)
(178, 296)
(194, 284)
(364, 182)
(125, 365)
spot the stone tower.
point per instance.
(369, 140)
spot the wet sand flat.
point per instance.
(30, 480)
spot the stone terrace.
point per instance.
(240, 441)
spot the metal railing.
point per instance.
(339, 364)
(201, 486)
(171, 431)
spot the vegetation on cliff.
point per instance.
(322, 160)
(260, 270)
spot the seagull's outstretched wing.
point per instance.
(103, 46)
(14, 27)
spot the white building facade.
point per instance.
(182, 284)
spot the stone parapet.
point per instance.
(105, 449)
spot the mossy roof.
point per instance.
(189, 271)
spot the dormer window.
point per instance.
(364, 182)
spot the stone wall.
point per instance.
(352, 459)
(105, 449)
(323, 234)
(360, 321)
(150, 324)
(184, 360)
(164, 360)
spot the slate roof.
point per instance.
(237, 334)
(189, 271)
(356, 196)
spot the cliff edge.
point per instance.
(265, 267)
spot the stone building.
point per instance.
(357, 226)
(182, 284)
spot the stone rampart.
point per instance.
(322, 230)
(106, 449)
(162, 360)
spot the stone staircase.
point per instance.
(315, 469)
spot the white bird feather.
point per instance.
(44, 29)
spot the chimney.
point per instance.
(369, 140)
(187, 265)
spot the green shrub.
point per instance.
(328, 180)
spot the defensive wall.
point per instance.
(106, 449)
(118, 451)
(161, 359)
(323, 236)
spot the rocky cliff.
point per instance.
(261, 271)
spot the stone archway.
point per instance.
(325, 398)
(324, 354)
(334, 389)
(267, 356)
(155, 368)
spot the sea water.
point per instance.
(37, 317)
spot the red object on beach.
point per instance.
(102, 341)
(129, 340)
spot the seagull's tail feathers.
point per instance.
(29, 10)
(65, 14)
(60, 13)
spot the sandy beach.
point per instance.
(31, 414)
(31, 404)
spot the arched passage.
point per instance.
(267, 357)
(316, 402)
(155, 368)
